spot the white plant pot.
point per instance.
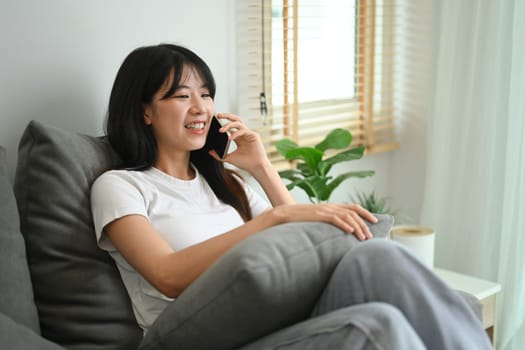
(420, 240)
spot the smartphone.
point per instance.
(216, 140)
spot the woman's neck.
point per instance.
(176, 166)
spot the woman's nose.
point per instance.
(197, 105)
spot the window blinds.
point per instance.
(319, 65)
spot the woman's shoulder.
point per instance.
(120, 177)
(121, 184)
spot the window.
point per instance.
(318, 65)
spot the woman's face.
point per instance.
(180, 122)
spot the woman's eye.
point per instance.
(206, 95)
(181, 96)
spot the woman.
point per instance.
(172, 210)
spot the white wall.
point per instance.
(59, 58)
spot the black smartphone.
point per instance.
(217, 140)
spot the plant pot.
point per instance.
(418, 239)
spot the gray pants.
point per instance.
(381, 297)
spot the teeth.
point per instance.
(195, 126)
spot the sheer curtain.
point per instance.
(475, 186)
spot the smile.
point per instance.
(195, 126)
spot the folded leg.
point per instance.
(383, 271)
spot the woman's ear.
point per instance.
(147, 114)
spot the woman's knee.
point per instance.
(382, 248)
(378, 251)
(379, 259)
(385, 314)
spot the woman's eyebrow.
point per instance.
(203, 86)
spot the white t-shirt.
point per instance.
(184, 212)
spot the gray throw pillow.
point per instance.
(79, 294)
(267, 282)
(15, 282)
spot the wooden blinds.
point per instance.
(309, 66)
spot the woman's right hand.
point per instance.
(350, 218)
(249, 154)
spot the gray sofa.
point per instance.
(60, 291)
(57, 282)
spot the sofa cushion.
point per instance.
(79, 294)
(16, 336)
(15, 282)
(269, 281)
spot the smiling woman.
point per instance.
(198, 249)
(146, 123)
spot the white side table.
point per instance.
(484, 290)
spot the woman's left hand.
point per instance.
(250, 153)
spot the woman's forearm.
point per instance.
(272, 184)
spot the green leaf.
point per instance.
(310, 155)
(323, 190)
(345, 156)
(339, 179)
(336, 139)
(284, 145)
(304, 185)
(374, 204)
(305, 169)
(290, 174)
(314, 186)
(318, 184)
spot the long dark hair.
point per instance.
(140, 76)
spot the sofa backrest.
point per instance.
(81, 301)
(16, 291)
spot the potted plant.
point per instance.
(312, 172)
(417, 238)
(374, 203)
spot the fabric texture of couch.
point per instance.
(19, 325)
(59, 290)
